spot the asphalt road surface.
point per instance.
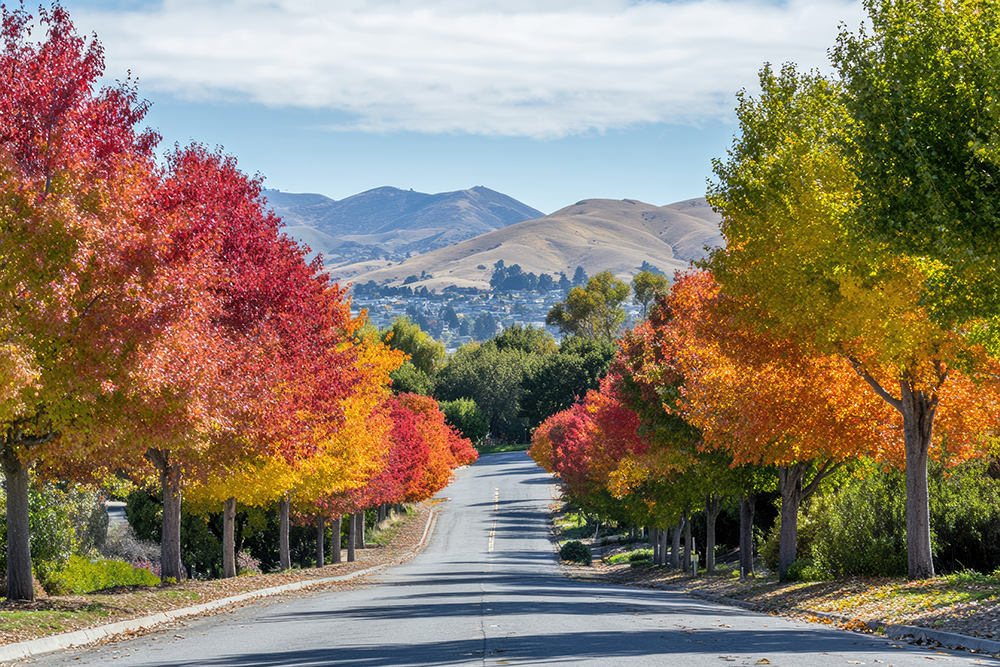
(486, 590)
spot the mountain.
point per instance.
(390, 223)
(596, 234)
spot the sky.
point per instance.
(548, 101)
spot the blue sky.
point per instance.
(549, 101)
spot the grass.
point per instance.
(385, 531)
(502, 447)
(55, 621)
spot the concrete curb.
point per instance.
(92, 635)
(909, 633)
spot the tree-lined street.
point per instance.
(487, 590)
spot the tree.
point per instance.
(80, 249)
(579, 277)
(585, 444)
(921, 89)
(595, 311)
(799, 263)
(465, 416)
(485, 327)
(647, 286)
(425, 354)
(492, 378)
(560, 380)
(564, 283)
(525, 338)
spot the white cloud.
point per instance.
(539, 68)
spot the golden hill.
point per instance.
(596, 234)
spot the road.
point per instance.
(486, 590)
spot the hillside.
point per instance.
(596, 234)
(390, 223)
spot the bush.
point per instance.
(82, 575)
(52, 535)
(122, 544)
(575, 551)
(808, 529)
(805, 569)
(864, 527)
(638, 555)
(247, 564)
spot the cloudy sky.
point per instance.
(549, 101)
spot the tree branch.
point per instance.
(824, 471)
(874, 384)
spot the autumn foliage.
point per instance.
(158, 322)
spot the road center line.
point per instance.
(496, 510)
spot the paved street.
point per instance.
(486, 590)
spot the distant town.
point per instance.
(460, 315)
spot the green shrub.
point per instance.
(50, 522)
(640, 564)
(808, 528)
(575, 551)
(864, 527)
(82, 575)
(630, 557)
(805, 569)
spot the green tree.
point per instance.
(922, 90)
(465, 416)
(527, 339)
(646, 286)
(559, 380)
(594, 311)
(426, 354)
(492, 378)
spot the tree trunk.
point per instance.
(918, 412)
(687, 541)
(352, 533)
(360, 525)
(171, 566)
(229, 539)
(654, 541)
(918, 409)
(790, 480)
(713, 505)
(675, 551)
(320, 540)
(335, 542)
(746, 534)
(284, 553)
(20, 583)
(664, 540)
(790, 484)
